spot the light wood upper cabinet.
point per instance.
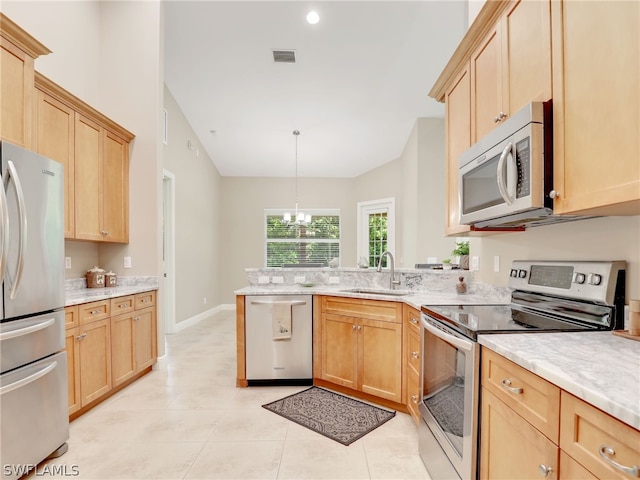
(18, 50)
(596, 117)
(458, 139)
(55, 139)
(512, 65)
(95, 153)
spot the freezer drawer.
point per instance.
(33, 413)
(273, 356)
(29, 339)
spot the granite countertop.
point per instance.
(414, 299)
(85, 295)
(600, 368)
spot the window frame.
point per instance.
(367, 208)
(314, 212)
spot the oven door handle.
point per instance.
(465, 345)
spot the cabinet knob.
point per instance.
(104, 232)
(554, 194)
(414, 321)
(498, 118)
(353, 327)
(136, 318)
(544, 470)
(415, 355)
(414, 399)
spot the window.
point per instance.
(376, 230)
(313, 245)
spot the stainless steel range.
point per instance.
(548, 296)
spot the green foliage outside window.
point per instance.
(377, 239)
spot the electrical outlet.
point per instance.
(298, 280)
(67, 262)
(127, 262)
(263, 280)
(496, 263)
(432, 259)
(475, 263)
(277, 279)
(204, 301)
(334, 280)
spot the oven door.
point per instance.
(449, 403)
(508, 178)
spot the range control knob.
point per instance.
(522, 274)
(513, 273)
(595, 279)
(580, 278)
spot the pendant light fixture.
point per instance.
(298, 218)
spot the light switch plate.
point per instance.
(67, 262)
(475, 263)
(127, 262)
(496, 263)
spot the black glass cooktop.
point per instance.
(471, 320)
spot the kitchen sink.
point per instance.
(373, 291)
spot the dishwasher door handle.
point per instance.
(293, 303)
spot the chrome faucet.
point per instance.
(392, 280)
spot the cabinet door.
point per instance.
(596, 57)
(339, 350)
(526, 50)
(88, 179)
(572, 470)
(380, 359)
(55, 139)
(510, 447)
(145, 337)
(16, 94)
(115, 199)
(486, 82)
(123, 357)
(458, 139)
(95, 360)
(73, 369)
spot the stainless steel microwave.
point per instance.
(505, 179)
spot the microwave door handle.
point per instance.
(12, 175)
(4, 224)
(502, 164)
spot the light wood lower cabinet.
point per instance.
(413, 359)
(108, 343)
(530, 427)
(510, 447)
(362, 346)
(133, 344)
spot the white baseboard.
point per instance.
(189, 322)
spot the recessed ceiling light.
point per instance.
(313, 17)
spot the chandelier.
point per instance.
(298, 217)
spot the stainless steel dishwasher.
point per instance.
(279, 339)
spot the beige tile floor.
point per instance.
(187, 420)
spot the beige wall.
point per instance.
(198, 206)
(607, 238)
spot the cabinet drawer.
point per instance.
(412, 319)
(90, 312)
(71, 315)
(535, 399)
(585, 431)
(146, 299)
(122, 304)
(361, 308)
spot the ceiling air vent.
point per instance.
(284, 56)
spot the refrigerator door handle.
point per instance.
(27, 380)
(4, 223)
(12, 175)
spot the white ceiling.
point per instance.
(360, 81)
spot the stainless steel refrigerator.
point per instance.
(34, 420)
